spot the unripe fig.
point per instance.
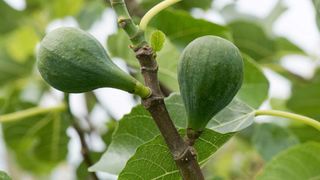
(210, 73)
(73, 61)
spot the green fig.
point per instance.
(210, 73)
(73, 61)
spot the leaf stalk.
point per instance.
(154, 11)
(296, 117)
(30, 112)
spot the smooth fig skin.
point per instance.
(210, 73)
(73, 61)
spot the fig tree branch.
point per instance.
(85, 151)
(181, 152)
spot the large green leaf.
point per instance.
(182, 28)
(39, 143)
(270, 139)
(231, 13)
(167, 58)
(125, 140)
(4, 176)
(156, 156)
(129, 135)
(251, 38)
(255, 86)
(235, 117)
(297, 163)
(306, 97)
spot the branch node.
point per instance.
(145, 53)
(192, 136)
(152, 101)
(185, 156)
(122, 21)
(149, 69)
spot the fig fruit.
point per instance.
(210, 73)
(73, 61)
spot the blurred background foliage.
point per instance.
(37, 147)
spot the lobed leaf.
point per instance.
(155, 156)
(251, 38)
(138, 128)
(235, 117)
(299, 162)
(270, 139)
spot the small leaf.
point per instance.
(4, 176)
(235, 117)
(270, 139)
(167, 58)
(296, 163)
(156, 156)
(285, 47)
(157, 40)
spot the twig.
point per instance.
(85, 152)
(182, 153)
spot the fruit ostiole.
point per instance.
(73, 61)
(210, 73)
